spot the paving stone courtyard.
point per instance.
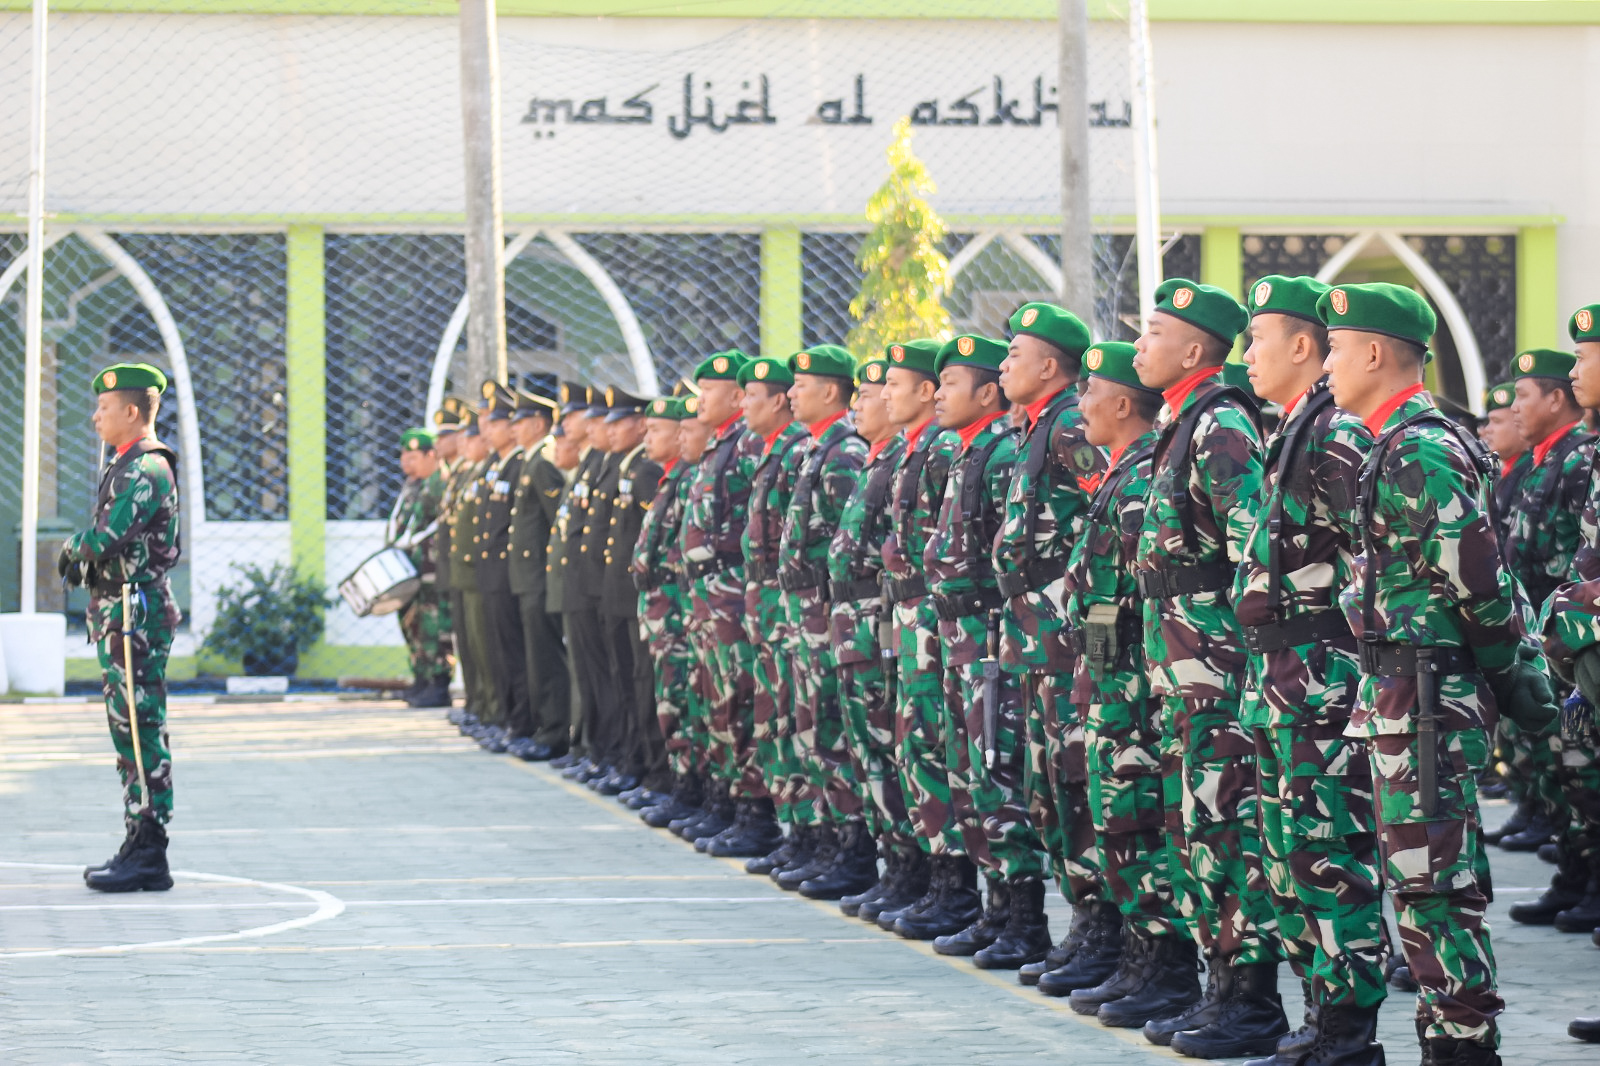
(361, 885)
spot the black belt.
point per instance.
(953, 606)
(1400, 660)
(802, 578)
(651, 581)
(1130, 634)
(1313, 627)
(715, 564)
(898, 589)
(850, 591)
(1036, 575)
(1185, 580)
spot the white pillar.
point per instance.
(33, 324)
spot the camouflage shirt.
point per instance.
(1570, 619)
(914, 494)
(662, 604)
(771, 487)
(1321, 449)
(1056, 473)
(134, 538)
(1543, 527)
(830, 466)
(1192, 640)
(856, 554)
(1437, 579)
(415, 521)
(713, 524)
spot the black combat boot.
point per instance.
(1346, 1035)
(1547, 853)
(805, 839)
(1062, 953)
(1250, 1023)
(1026, 937)
(1585, 1029)
(722, 816)
(854, 868)
(1095, 958)
(757, 834)
(616, 782)
(908, 887)
(580, 770)
(127, 845)
(1563, 894)
(779, 856)
(435, 693)
(791, 877)
(850, 905)
(1584, 915)
(1297, 1042)
(986, 929)
(1172, 983)
(1525, 810)
(934, 888)
(1448, 1051)
(1132, 971)
(956, 906)
(1540, 831)
(690, 828)
(143, 866)
(684, 800)
(1219, 983)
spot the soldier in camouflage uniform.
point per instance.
(1057, 469)
(1498, 431)
(1111, 689)
(1205, 485)
(1318, 829)
(713, 562)
(855, 563)
(123, 560)
(984, 733)
(765, 405)
(1441, 623)
(1540, 549)
(425, 622)
(950, 901)
(845, 861)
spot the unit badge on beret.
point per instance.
(110, 378)
(1502, 396)
(1585, 320)
(1093, 358)
(762, 369)
(660, 407)
(692, 404)
(898, 354)
(803, 360)
(1182, 298)
(1263, 292)
(1340, 300)
(874, 372)
(720, 365)
(1030, 316)
(1525, 362)
(965, 346)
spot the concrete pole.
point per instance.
(1147, 189)
(33, 326)
(1072, 98)
(485, 245)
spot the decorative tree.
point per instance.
(906, 276)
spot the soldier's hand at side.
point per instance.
(1523, 692)
(1586, 673)
(63, 562)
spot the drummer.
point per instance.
(425, 622)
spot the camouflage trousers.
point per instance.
(1125, 789)
(773, 733)
(1431, 868)
(727, 662)
(819, 734)
(151, 642)
(990, 803)
(430, 645)
(1209, 789)
(919, 730)
(1578, 840)
(870, 736)
(1055, 785)
(1319, 839)
(674, 695)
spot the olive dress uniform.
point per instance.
(533, 514)
(642, 752)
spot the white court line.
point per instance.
(328, 906)
(564, 901)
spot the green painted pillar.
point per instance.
(780, 291)
(1539, 316)
(306, 342)
(1222, 259)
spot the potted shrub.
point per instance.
(267, 619)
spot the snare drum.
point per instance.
(383, 584)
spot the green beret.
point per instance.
(766, 369)
(969, 349)
(1542, 363)
(1205, 307)
(1380, 307)
(824, 360)
(1052, 324)
(416, 440)
(1585, 324)
(872, 371)
(1114, 360)
(498, 401)
(1238, 375)
(918, 355)
(1499, 397)
(1279, 295)
(721, 366)
(668, 407)
(129, 376)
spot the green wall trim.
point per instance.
(1539, 315)
(1387, 12)
(1222, 259)
(305, 338)
(322, 661)
(780, 291)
